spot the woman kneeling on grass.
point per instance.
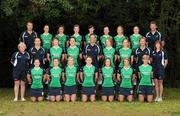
(107, 75)
(70, 78)
(126, 77)
(55, 90)
(145, 74)
(35, 77)
(88, 76)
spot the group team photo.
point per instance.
(60, 66)
(89, 58)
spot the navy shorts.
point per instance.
(159, 73)
(70, 90)
(146, 90)
(125, 91)
(19, 75)
(89, 90)
(107, 91)
(36, 92)
(55, 91)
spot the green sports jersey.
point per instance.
(103, 40)
(107, 73)
(46, 40)
(118, 40)
(88, 38)
(55, 53)
(145, 75)
(124, 53)
(70, 73)
(78, 39)
(37, 76)
(73, 52)
(109, 53)
(88, 73)
(135, 41)
(55, 74)
(62, 40)
(126, 77)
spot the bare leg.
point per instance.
(58, 98)
(33, 99)
(73, 97)
(149, 98)
(130, 98)
(121, 98)
(16, 89)
(160, 88)
(141, 98)
(84, 98)
(40, 99)
(104, 98)
(52, 98)
(92, 98)
(111, 98)
(22, 90)
(66, 97)
(156, 87)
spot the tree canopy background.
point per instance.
(128, 13)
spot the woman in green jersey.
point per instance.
(88, 76)
(105, 36)
(109, 51)
(125, 77)
(46, 38)
(35, 77)
(145, 73)
(125, 52)
(74, 51)
(70, 78)
(54, 77)
(63, 43)
(55, 52)
(107, 76)
(135, 38)
(119, 38)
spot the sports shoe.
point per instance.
(22, 99)
(15, 99)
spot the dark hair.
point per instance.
(72, 37)
(88, 57)
(29, 22)
(91, 26)
(153, 22)
(76, 25)
(106, 60)
(158, 42)
(92, 34)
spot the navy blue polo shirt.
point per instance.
(37, 54)
(20, 60)
(93, 51)
(28, 38)
(138, 54)
(158, 58)
(152, 38)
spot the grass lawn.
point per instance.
(169, 107)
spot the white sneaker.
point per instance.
(156, 99)
(22, 99)
(160, 99)
(15, 99)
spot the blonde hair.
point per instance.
(145, 57)
(22, 44)
(70, 58)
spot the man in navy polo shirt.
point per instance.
(92, 50)
(37, 52)
(154, 35)
(28, 36)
